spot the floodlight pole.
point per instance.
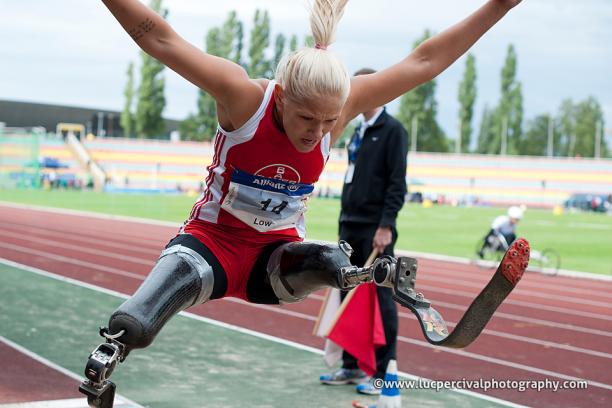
(504, 136)
(549, 149)
(598, 129)
(572, 145)
(414, 132)
(100, 124)
(458, 147)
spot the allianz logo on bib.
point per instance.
(275, 184)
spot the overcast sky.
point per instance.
(73, 52)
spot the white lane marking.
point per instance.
(467, 261)
(516, 337)
(521, 303)
(86, 250)
(476, 274)
(49, 363)
(588, 225)
(530, 293)
(71, 261)
(91, 214)
(66, 403)
(531, 320)
(275, 309)
(81, 238)
(505, 363)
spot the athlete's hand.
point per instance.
(382, 238)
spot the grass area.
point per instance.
(584, 240)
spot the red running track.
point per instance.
(554, 328)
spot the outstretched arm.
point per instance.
(426, 62)
(236, 95)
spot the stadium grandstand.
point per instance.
(460, 178)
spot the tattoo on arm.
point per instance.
(141, 29)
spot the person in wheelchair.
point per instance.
(502, 232)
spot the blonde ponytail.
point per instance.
(316, 72)
(324, 18)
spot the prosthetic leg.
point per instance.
(297, 269)
(181, 278)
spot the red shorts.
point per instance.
(236, 249)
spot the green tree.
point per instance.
(485, 139)
(151, 99)
(467, 97)
(420, 105)
(279, 50)
(580, 126)
(293, 43)
(202, 125)
(535, 140)
(590, 122)
(515, 123)
(506, 120)
(541, 131)
(509, 117)
(309, 41)
(127, 116)
(566, 125)
(231, 39)
(226, 42)
(207, 106)
(189, 128)
(259, 66)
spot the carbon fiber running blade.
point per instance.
(478, 314)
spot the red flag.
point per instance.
(359, 329)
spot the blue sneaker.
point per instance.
(344, 376)
(368, 388)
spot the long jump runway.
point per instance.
(227, 353)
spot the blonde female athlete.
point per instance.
(244, 235)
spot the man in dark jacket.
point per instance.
(373, 193)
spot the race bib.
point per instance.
(266, 204)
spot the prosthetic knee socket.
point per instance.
(180, 278)
(297, 269)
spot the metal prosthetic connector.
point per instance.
(102, 361)
(403, 282)
(398, 274)
(351, 276)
